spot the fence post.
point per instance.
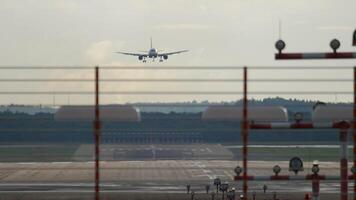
(343, 165)
(354, 132)
(97, 135)
(244, 132)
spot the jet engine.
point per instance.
(165, 57)
(140, 57)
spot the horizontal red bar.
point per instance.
(285, 177)
(282, 56)
(260, 126)
(294, 56)
(238, 178)
(286, 125)
(315, 177)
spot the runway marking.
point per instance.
(228, 174)
(209, 150)
(61, 162)
(26, 163)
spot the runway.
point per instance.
(159, 176)
(142, 171)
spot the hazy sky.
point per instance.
(224, 32)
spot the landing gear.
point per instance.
(144, 60)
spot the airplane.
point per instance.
(152, 53)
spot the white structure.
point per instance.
(325, 113)
(256, 113)
(107, 113)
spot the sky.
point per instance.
(216, 33)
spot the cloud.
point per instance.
(100, 52)
(185, 27)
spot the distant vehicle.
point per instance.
(152, 53)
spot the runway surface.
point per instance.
(155, 176)
(145, 171)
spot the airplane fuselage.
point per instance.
(152, 53)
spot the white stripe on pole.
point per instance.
(280, 125)
(313, 55)
(297, 178)
(343, 150)
(323, 125)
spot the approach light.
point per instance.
(353, 169)
(277, 169)
(315, 169)
(298, 117)
(335, 44)
(238, 170)
(296, 165)
(217, 181)
(280, 45)
(224, 186)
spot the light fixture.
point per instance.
(238, 170)
(298, 117)
(335, 44)
(277, 169)
(280, 45)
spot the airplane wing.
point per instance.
(171, 53)
(132, 54)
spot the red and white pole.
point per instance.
(309, 177)
(97, 135)
(354, 127)
(300, 125)
(343, 165)
(334, 44)
(306, 56)
(244, 132)
(315, 188)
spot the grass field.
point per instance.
(61, 152)
(37, 153)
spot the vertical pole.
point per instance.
(315, 187)
(245, 134)
(354, 132)
(97, 134)
(343, 165)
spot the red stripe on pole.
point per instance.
(302, 126)
(343, 166)
(315, 177)
(286, 178)
(287, 56)
(338, 55)
(260, 126)
(336, 125)
(301, 56)
(239, 178)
